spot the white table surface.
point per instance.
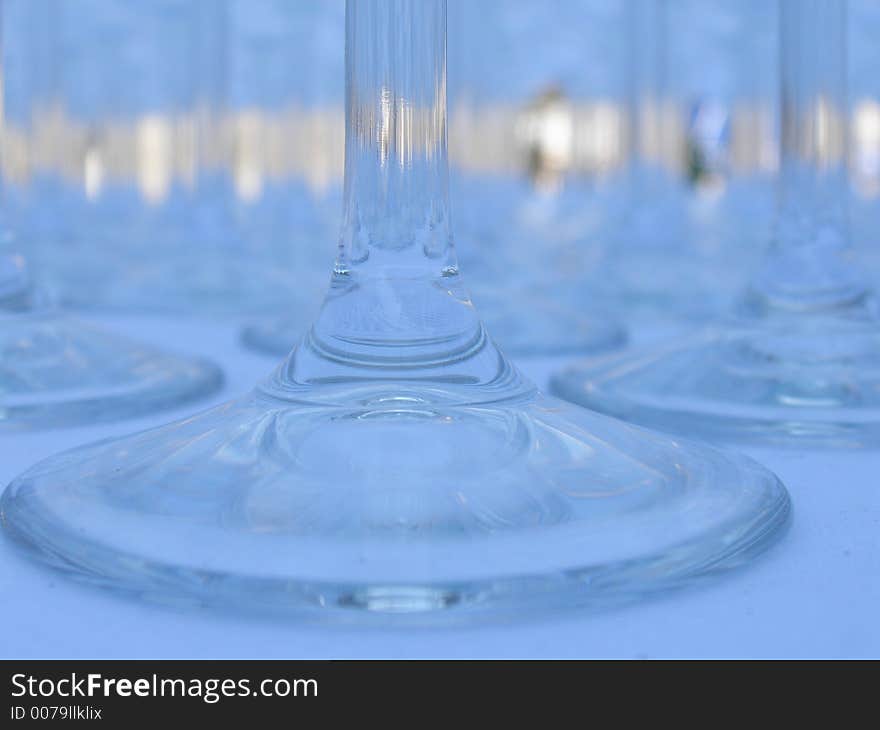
(815, 594)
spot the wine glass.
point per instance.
(799, 360)
(396, 463)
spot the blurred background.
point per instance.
(612, 158)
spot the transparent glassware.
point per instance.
(647, 232)
(534, 323)
(206, 263)
(58, 371)
(525, 201)
(725, 72)
(99, 139)
(864, 94)
(799, 363)
(396, 462)
(300, 211)
(126, 148)
(521, 244)
(265, 162)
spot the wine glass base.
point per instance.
(395, 507)
(57, 371)
(545, 331)
(531, 323)
(812, 385)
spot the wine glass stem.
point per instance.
(396, 217)
(808, 267)
(813, 108)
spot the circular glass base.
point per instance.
(816, 384)
(58, 371)
(537, 327)
(407, 500)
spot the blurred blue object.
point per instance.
(143, 167)
(56, 370)
(523, 204)
(800, 363)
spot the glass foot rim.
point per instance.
(587, 588)
(182, 379)
(592, 385)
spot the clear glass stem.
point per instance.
(397, 312)
(396, 210)
(808, 267)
